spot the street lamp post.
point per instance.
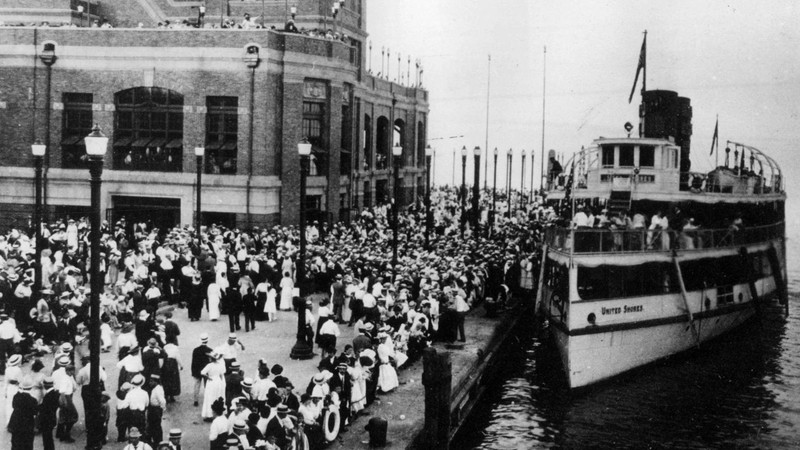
(522, 180)
(533, 166)
(96, 145)
(476, 193)
(301, 349)
(38, 149)
(494, 193)
(463, 189)
(509, 157)
(428, 224)
(199, 152)
(397, 151)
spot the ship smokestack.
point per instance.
(668, 116)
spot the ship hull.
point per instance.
(594, 357)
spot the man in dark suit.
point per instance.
(47, 413)
(199, 361)
(340, 383)
(22, 423)
(171, 329)
(275, 426)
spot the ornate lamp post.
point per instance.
(38, 149)
(463, 189)
(96, 145)
(476, 193)
(494, 193)
(397, 152)
(199, 152)
(522, 180)
(301, 349)
(509, 156)
(428, 218)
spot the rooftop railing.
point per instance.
(602, 240)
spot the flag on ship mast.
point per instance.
(640, 67)
(715, 139)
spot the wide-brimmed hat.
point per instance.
(137, 380)
(14, 360)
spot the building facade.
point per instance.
(247, 96)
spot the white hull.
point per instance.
(591, 358)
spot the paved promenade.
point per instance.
(271, 341)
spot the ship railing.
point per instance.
(604, 240)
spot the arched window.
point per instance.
(367, 143)
(421, 139)
(148, 131)
(383, 140)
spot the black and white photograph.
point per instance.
(419, 224)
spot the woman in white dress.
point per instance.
(214, 295)
(358, 390)
(387, 375)
(271, 307)
(214, 372)
(287, 288)
(13, 378)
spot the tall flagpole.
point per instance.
(544, 85)
(716, 157)
(488, 87)
(644, 83)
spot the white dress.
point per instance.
(13, 373)
(214, 295)
(358, 392)
(287, 286)
(215, 387)
(272, 301)
(387, 376)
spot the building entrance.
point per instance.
(155, 212)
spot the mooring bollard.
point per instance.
(377, 428)
(437, 378)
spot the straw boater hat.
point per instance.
(247, 383)
(63, 361)
(175, 433)
(204, 338)
(137, 380)
(14, 360)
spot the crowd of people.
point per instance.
(391, 311)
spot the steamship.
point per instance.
(628, 293)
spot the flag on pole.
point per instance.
(716, 136)
(640, 67)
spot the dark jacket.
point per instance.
(199, 359)
(48, 409)
(22, 419)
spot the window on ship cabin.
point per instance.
(647, 156)
(626, 156)
(607, 154)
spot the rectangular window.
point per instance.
(626, 156)
(647, 156)
(345, 163)
(148, 130)
(607, 152)
(222, 135)
(76, 125)
(314, 130)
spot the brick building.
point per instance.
(247, 96)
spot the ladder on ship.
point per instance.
(685, 296)
(618, 201)
(777, 273)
